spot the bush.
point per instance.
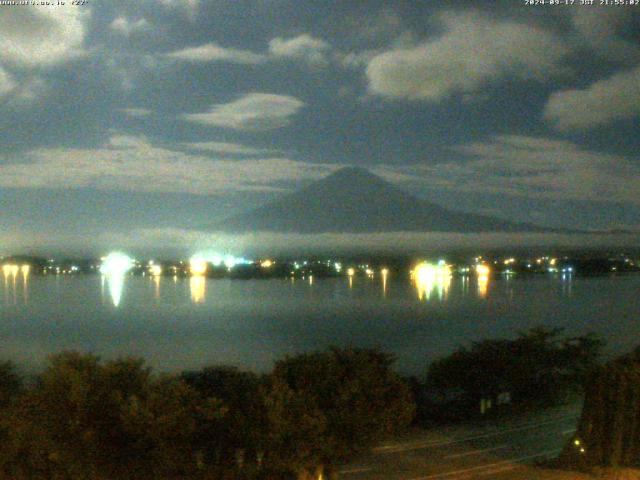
(350, 398)
(536, 367)
(87, 419)
(84, 418)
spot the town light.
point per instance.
(155, 270)
(116, 263)
(429, 277)
(482, 270)
(197, 266)
(114, 267)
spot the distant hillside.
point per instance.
(353, 200)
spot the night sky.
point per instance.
(141, 122)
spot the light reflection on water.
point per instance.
(385, 273)
(115, 282)
(197, 286)
(15, 292)
(179, 323)
(431, 287)
(428, 287)
(156, 287)
(483, 286)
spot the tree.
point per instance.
(298, 445)
(537, 366)
(242, 432)
(10, 383)
(608, 432)
(88, 419)
(352, 392)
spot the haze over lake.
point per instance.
(191, 322)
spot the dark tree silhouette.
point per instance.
(537, 366)
(608, 433)
(352, 395)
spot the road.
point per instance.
(488, 450)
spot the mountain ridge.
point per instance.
(353, 200)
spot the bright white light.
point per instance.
(429, 277)
(114, 267)
(116, 263)
(116, 285)
(216, 259)
(198, 266)
(155, 270)
(230, 261)
(482, 270)
(8, 270)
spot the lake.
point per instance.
(186, 323)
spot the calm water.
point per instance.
(189, 323)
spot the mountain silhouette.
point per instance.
(353, 200)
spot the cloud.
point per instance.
(188, 7)
(189, 242)
(30, 89)
(473, 51)
(537, 168)
(6, 83)
(129, 163)
(303, 47)
(599, 26)
(41, 36)
(224, 148)
(212, 52)
(17, 93)
(136, 112)
(253, 111)
(126, 70)
(272, 243)
(126, 27)
(356, 59)
(613, 98)
(128, 142)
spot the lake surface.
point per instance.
(186, 323)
